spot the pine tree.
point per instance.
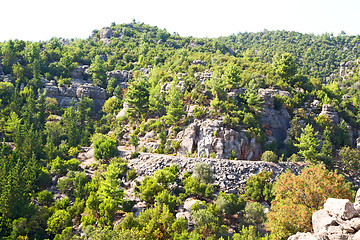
(308, 142)
(175, 109)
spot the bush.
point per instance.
(203, 172)
(104, 147)
(350, 158)
(258, 187)
(269, 156)
(297, 197)
(253, 214)
(46, 198)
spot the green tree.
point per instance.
(285, 66)
(104, 147)
(350, 158)
(58, 222)
(259, 187)
(98, 72)
(137, 95)
(175, 107)
(308, 142)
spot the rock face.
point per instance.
(330, 112)
(229, 175)
(105, 35)
(339, 219)
(67, 94)
(121, 76)
(211, 136)
(275, 120)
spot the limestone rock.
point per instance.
(340, 208)
(211, 136)
(123, 111)
(106, 32)
(302, 236)
(276, 120)
(330, 112)
(357, 201)
(65, 95)
(321, 220)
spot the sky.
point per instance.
(43, 19)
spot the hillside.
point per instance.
(138, 133)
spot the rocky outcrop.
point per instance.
(66, 95)
(330, 112)
(275, 120)
(211, 136)
(229, 175)
(105, 35)
(79, 72)
(339, 219)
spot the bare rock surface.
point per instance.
(212, 136)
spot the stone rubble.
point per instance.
(229, 175)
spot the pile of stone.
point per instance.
(229, 175)
(339, 220)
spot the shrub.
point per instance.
(253, 214)
(203, 172)
(258, 187)
(298, 197)
(269, 156)
(350, 158)
(104, 147)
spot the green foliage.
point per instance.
(269, 156)
(58, 222)
(104, 147)
(350, 158)
(308, 142)
(259, 187)
(253, 214)
(229, 203)
(203, 172)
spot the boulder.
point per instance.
(321, 220)
(330, 112)
(123, 111)
(106, 32)
(340, 208)
(275, 120)
(302, 236)
(357, 201)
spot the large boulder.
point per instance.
(340, 208)
(330, 112)
(211, 136)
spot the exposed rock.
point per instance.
(229, 175)
(203, 63)
(211, 136)
(321, 220)
(65, 95)
(123, 111)
(330, 112)
(277, 121)
(338, 220)
(122, 76)
(340, 208)
(357, 201)
(302, 236)
(78, 73)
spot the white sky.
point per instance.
(42, 19)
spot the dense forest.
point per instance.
(76, 112)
